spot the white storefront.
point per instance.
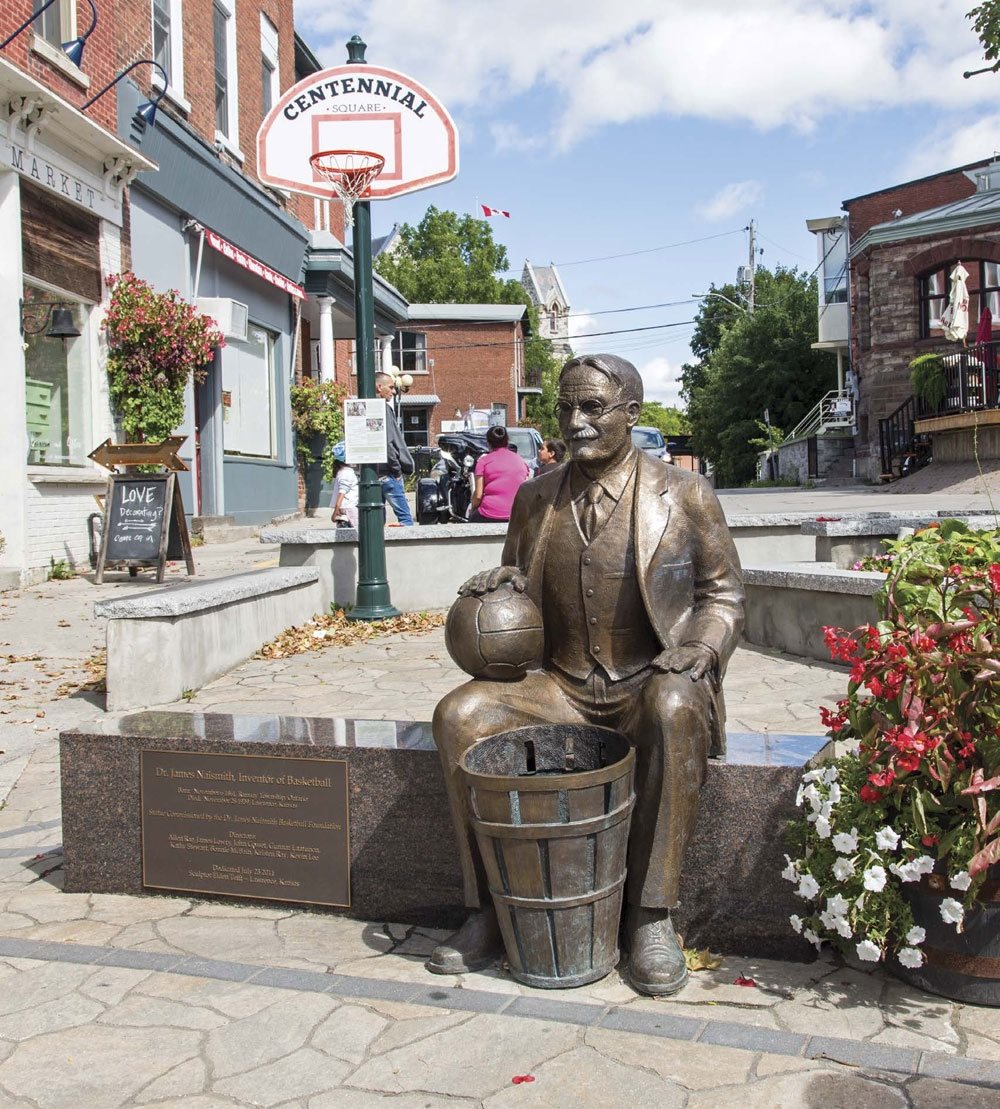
(62, 179)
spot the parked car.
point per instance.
(526, 441)
(650, 440)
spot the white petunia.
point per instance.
(811, 794)
(835, 794)
(874, 879)
(961, 881)
(811, 936)
(906, 872)
(808, 887)
(844, 927)
(823, 827)
(843, 869)
(791, 872)
(830, 775)
(886, 839)
(869, 952)
(923, 864)
(910, 957)
(916, 935)
(837, 905)
(846, 842)
(812, 776)
(952, 911)
(796, 922)
(829, 920)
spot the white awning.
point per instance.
(419, 398)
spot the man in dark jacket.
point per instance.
(400, 461)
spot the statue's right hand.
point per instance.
(488, 580)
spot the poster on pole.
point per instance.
(365, 430)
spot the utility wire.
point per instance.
(651, 250)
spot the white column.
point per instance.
(326, 363)
(386, 344)
(13, 426)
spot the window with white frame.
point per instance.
(57, 23)
(409, 352)
(57, 381)
(168, 42)
(269, 86)
(226, 92)
(248, 376)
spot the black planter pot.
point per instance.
(963, 966)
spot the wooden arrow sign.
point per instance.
(109, 455)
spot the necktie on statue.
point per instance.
(589, 523)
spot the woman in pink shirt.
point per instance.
(499, 474)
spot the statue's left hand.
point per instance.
(693, 658)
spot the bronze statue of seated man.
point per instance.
(631, 565)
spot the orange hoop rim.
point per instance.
(362, 167)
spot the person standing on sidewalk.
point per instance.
(400, 461)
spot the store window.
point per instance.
(248, 376)
(56, 24)
(57, 382)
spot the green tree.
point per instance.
(751, 363)
(453, 259)
(669, 420)
(986, 23)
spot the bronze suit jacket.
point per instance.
(689, 571)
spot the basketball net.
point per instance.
(350, 173)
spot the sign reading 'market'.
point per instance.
(360, 108)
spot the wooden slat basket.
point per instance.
(551, 808)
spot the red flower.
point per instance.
(930, 841)
(908, 763)
(883, 779)
(994, 572)
(870, 796)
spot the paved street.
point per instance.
(173, 1001)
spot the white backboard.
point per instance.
(358, 107)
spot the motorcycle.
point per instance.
(445, 495)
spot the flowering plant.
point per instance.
(156, 343)
(918, 792)
(318, 410)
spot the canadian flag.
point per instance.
(487, 211)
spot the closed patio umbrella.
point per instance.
(955, 318)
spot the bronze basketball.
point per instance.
(498, 635)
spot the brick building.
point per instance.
(904, 243)
(64, 226)
(463, 358)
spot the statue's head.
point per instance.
(600, 398)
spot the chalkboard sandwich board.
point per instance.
(144, 524)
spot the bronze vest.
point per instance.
(602, 622)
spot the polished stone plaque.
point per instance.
(252, 826)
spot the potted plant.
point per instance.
(318, 421)
(157, 342)
(896, 849)
(929, 381)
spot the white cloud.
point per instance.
(661, 381)
(954, 146)
(581, 324)
(731, 199)
(769, 63)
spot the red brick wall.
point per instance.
(98, 56)
(915, 196)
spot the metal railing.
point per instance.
(971, 383)
(832, 412)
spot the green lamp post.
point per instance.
(372, 601)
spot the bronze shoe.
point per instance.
(656, 960)
(474, 946)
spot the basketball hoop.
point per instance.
(350, 173)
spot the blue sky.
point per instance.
(611, 128)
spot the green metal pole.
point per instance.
(372, 601)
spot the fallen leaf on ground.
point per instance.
(519, 1078)
(64, 624)
(739, 980)
(336, 630)
(701, 960)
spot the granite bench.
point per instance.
(171, 640)
(845, 540)
(788, 605)
(403, 861)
